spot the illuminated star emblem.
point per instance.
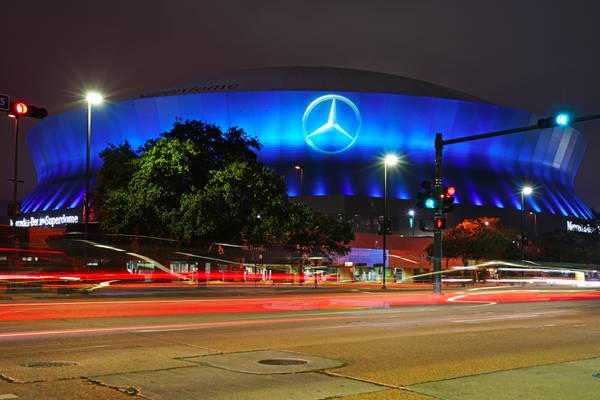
(339, 131)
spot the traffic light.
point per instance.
(385, 225)
(561, 119)
(21, 109)
(426, 199)
(440, 223)
(449, 199)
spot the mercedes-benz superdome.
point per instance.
(336, 124)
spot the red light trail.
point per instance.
(130, 308)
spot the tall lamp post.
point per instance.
(15, 180)
(92, 98)
(411, 219)
(298, 167)
(526, 191)
(390, 160)
(534, 215)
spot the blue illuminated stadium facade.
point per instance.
(336, 124)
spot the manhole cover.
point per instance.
(283, 361)
(49, 364)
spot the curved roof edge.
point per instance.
(315, 79)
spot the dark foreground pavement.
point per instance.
(349, 346)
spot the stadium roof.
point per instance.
(317, 79)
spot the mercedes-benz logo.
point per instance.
(340, 130)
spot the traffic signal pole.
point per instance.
(439, 148)
(438, 213)
(16, 165)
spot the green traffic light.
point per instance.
(562, 119)
(430, 203)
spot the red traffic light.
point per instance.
(20, 108)
(450, 191)
(440, 223)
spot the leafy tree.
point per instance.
(116, 172)
(162, 174)
(201, 184)
(481, 238)
(577, 247)
(243, 199)
(318, 233)
(570, 246)
(214, 148)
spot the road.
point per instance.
(490, 343)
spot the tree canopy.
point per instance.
(198, 183)
(480, 238)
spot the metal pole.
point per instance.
(438, 213)
(16, 165)
(301, 183)
(384, 230)
(87, 169)
(522, 225)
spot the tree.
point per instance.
(150, 201)
(244, 199)
(481, 238)
(116, 172)
(576, 247)
(198, 183)
(318, 233)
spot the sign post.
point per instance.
(4, 102)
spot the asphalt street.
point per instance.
(361, 345)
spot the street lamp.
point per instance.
(92, 98)
(411, 220)
(534, 215)
(390, 160)
(525, 191)
(298, 167)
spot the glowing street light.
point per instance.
(411, 221)
(92, 98)
(390, 160)
(525, 191)
(298, 167)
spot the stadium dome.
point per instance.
(336, 123)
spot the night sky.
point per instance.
(541, 56)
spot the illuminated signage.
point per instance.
(331, 124)
(45, 221)
(575, 227)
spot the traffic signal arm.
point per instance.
(21, 109)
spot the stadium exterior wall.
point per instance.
(339, 139)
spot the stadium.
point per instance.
(326, 130)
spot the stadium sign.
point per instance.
(45, 221)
